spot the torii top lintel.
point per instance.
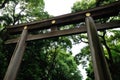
(98, 12)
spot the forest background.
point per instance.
(51, 59)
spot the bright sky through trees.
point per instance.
(59, 7)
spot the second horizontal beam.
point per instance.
(81, 29)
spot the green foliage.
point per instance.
(21, 11)
(82, 5)
(87, 4)
(49, 59)
(90, 73)
(3, 60)
(43, 62)
(110, 40)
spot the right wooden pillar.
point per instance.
(101, 69)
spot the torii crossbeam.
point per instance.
(97, 13)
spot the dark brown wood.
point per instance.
(55, 28)
(81, 29)
(99, 12)
(100, 66)
(16, 58)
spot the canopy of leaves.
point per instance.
(43, 59)
(109, 39)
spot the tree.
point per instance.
(80, 5)
(105, 37)
(43, 59)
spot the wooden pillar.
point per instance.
(54, 28)
(16, 57)
(100, 66)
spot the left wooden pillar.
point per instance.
(16, 57)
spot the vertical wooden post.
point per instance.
(53, 28)
(100, 66)
(16, 57)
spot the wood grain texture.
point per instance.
(73, 31)
(98, 12)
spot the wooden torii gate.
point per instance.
(100, 66)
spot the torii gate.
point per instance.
(100, 66)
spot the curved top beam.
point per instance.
(98, 12)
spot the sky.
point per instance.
(76, 49)
(61, 7)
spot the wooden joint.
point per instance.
(25, 27)
(53, 21)
(88, 14)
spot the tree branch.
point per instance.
(14, 17)
(106, 46)
(19, 15)
(3, 4)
